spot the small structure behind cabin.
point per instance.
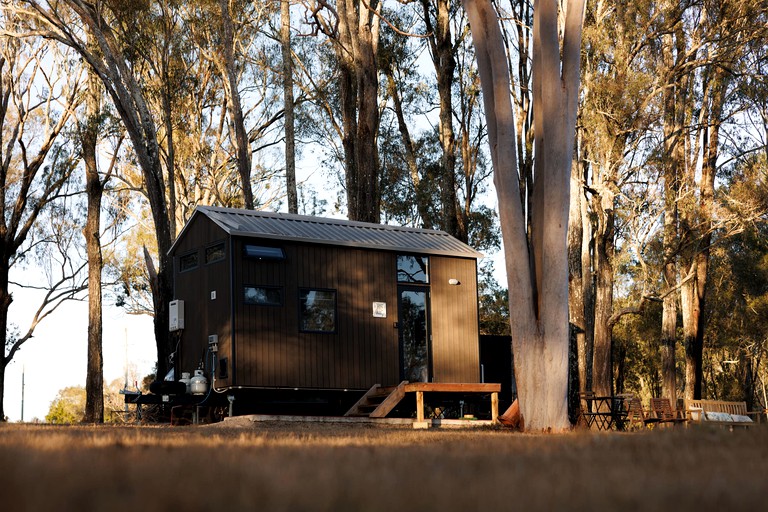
(280, 301)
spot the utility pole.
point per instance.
(23, 368)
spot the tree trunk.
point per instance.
(242, 143)
(588, 293)
(576, 306)
(537, 274)
(673, 166)
(694, 320)
(166, 95)
(2, 389)
(5, 303)
(356, 47)
(94, 383)
(368, 200)
(444, 63)
(602, 373)
(290, 135)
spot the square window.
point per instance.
(188, 262)
(214, 253)
(413, 269)
(317, 310)
(264, 295)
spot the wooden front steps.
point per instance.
(378, 401)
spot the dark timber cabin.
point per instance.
(315, 304)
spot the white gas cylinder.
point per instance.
(198, 384)
(186, 380)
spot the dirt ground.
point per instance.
(337, 467)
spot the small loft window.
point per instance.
(317, 310)
(263, 252)
(413, 269)
(264, 295)
(188, 262)
(214, 253)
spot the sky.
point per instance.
(56, 356)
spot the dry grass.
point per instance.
(351, 467)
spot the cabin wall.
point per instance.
(270, 349)
(455, 326)
(204, 315)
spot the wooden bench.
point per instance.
(720, 412)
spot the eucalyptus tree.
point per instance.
(735, 361)
(728, 30)
(409, 176)
(432, 113)
(89, 136)
(438, 16)
(228, 34)
(351, 28)
(120, 63)
(616, 114)
(537, 272)
(40, 87)
(289, 106)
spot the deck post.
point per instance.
(420, 423)
(419, 406)
(494, 407)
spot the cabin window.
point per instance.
(263, 252)
(317, 310)
(413, 269)
(188, 262)
(214, 253)
(264, 295)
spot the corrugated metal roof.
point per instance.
(283, 226)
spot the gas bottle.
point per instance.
(198, 384)
(186, 380)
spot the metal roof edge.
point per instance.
(470, 254)
(322, 220)
(200, 209)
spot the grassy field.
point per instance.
(331, 467)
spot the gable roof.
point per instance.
(322, 230)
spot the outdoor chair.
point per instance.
(662, 410)
(637, 416)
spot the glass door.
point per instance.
(413, 323)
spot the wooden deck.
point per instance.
(379, 401)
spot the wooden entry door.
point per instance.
(413, 323)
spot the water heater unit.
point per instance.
(176, 315)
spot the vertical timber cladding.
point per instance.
(272, 351)
(455, 328)
(202, 315)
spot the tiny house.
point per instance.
(277, 301)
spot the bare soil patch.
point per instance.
(337, 467)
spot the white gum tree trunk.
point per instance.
(537, 270)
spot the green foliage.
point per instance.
(637, 358)
(736, 344)
(68, 406)
(494, 303)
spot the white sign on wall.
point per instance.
(380, 310)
